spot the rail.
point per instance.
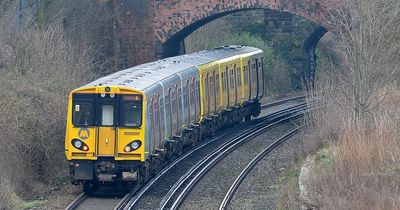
(235, 185)
(185, 184)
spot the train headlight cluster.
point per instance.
(132, 146)
(135, 145)
(79, 145)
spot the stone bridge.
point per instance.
(146, 30)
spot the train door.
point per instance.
(234, 78)
(178, 105)
(171, 110)
(107, 132)
(212, 93)
(194, 98)
(217, 95)
(227, 86)
(156, 120)
(187, 101)
(248, 81)
(257, 79)
(262, 77)
(239, 84)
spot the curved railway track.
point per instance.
(183, 187)
(239, 179)
(259, 124)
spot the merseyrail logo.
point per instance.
(84, 133)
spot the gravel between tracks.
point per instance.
(261, 189)
(211, 189)
(154, 195)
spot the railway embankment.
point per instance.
(359, 165)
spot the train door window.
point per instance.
(217, 83)
(196, 93)
(192, 87)
(107, 115)
(253, 66)
(262, 75)
(232, 80)
(245, 75)
(249, 69)
(170, 108)
(187, 100)
(211, 90)
(215, 90)
(153, 122)
(178, 105)
(211, 81)
(223, 81)
(157, 116)
(239, 79)
(160, 111)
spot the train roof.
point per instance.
(145, 75)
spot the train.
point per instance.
(123, 127)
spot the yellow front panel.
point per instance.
(106, 141)
(127, 135)
(88, 136)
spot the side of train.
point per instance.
(124, 126)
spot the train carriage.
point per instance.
(123, 127)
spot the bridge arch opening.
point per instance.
(175, 44)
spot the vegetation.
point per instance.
(362, 124)
(37, 70)
(219, 33)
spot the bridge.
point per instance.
(146, 30)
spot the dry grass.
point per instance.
(365, 169)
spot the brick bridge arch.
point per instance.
(146, 30)
(173, 22)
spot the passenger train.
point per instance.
(125, 126)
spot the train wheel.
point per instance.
(89, 187)
(144, 173)
(154, 165)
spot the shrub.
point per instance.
(37, 70)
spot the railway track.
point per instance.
(243, 174)
(131, 199)
(183, 187)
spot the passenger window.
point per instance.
(131, 111)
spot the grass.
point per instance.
(30, 204)
(324, 156)
(288, 186)
(358, 168)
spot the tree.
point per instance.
(368, 32)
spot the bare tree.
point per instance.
(369, 39)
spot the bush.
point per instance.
(6, 195)
(38, 68)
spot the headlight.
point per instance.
(78, 144)
(135, 145)
(132, 146)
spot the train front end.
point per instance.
(105, 135)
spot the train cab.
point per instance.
(105, 133)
